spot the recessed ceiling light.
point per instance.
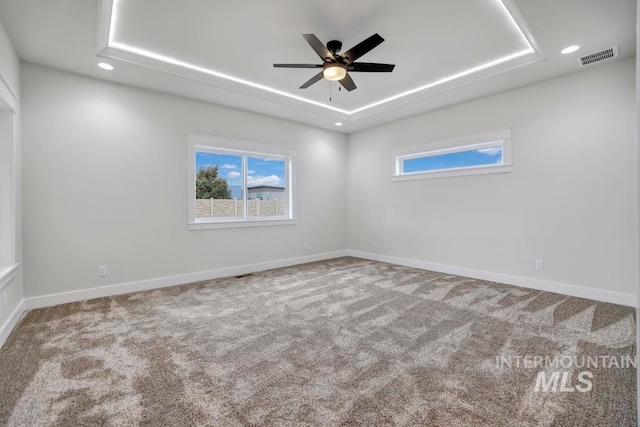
(338, 123)
(105, 66)
(570, 49)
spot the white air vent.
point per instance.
(603, 55)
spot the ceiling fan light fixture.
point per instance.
(334, 71)
(337, 67)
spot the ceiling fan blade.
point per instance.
(361, 48)
(312, 80)
(319, 47)
(348, 83)
(297, 65)
(371, 67)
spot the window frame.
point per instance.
(458, 144)
(245, 149)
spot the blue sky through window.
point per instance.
(462, 159)
(268, 172)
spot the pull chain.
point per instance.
(339, 90)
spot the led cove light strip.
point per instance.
(177, 62)
(174, 61)
(445, 79)
(515, 25)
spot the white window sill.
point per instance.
(479, 170)
(208, 225)
(7, 274)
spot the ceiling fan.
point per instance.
(336, 67)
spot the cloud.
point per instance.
(490, 151)
(228, 166)
(271, 180)
(233, 174)
(252, 171)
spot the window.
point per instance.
(8, 189)
(481, 153)
(237, 183)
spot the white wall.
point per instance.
(98, 156)
(571, 200)
(10, 206)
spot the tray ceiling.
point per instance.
(445, 51)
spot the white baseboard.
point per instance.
(11, 322)
(162, 282)
(525, 282)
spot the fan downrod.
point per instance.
(334, 46)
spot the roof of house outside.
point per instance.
(265, 187)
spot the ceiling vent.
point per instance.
(603, 55)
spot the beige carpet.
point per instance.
(339, 342)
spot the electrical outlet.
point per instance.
(306, 245)
(102, 271)
(539, 264)
(373, 243)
